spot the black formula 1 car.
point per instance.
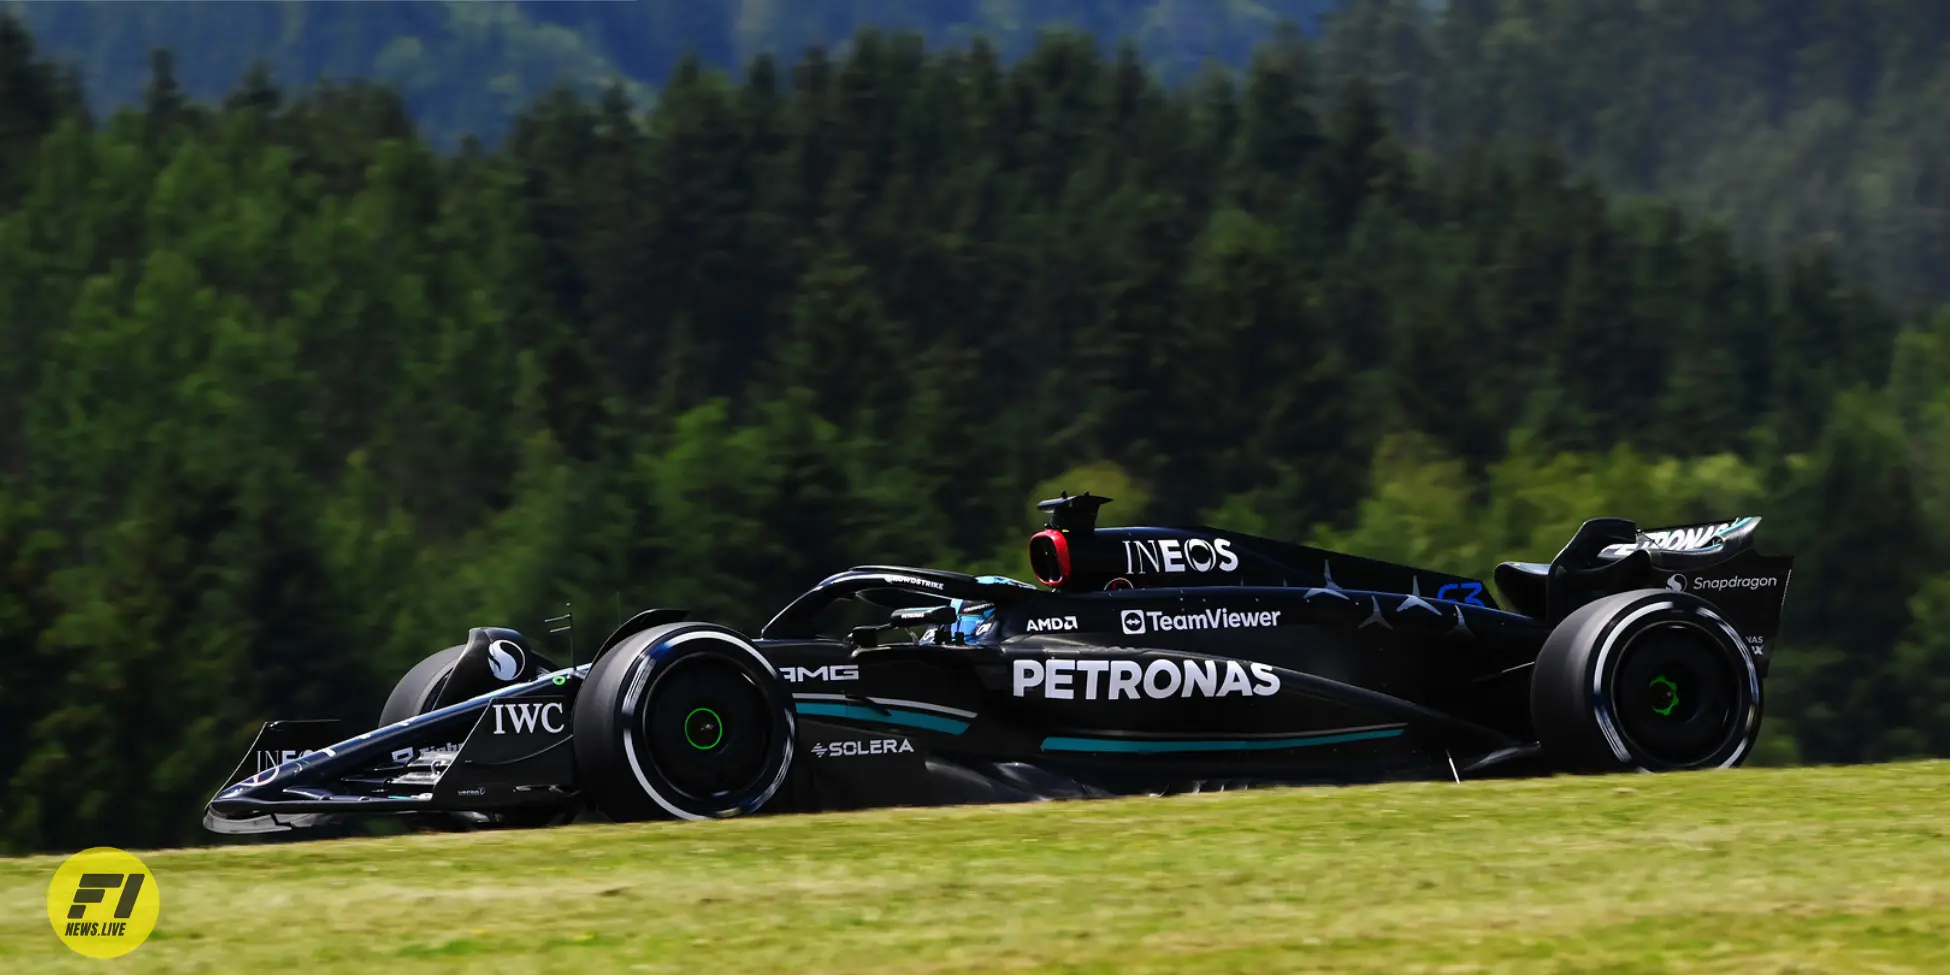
(1158, 660)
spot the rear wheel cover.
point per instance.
(686, 720)
(1650, 680)
(1670, 700)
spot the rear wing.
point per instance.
(1717, 562)
(1709, 537)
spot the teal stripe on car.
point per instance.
(1152, 746)
(911, 719)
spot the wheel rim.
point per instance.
(1676, 695)
(708, 728)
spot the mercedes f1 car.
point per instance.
(1152, 660)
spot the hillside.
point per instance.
(1806, 871)
(1813, 124)
(1822, 124)
(469, 67)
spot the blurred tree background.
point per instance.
(291, 394)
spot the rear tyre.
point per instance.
(683, 721)
(1651, 680)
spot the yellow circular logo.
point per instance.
(103, 902)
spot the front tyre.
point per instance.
(417, 690)
(415, 694)
(1652, 680)
(685, 721)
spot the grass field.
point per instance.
(1809, 870)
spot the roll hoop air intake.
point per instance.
(1068, 533)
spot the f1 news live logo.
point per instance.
(103, 902)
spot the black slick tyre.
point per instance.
(415, 694)
(1651, 680)
(420, 686)
(682, 721)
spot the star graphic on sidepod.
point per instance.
(1414, 598)
(1375, 617)
(1327, 586)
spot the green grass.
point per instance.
(1757, 871)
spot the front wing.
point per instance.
(506, 749)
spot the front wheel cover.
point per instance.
(684, 721)
(1651, 680)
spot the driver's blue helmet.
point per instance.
(974, 617)
(970, 615)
